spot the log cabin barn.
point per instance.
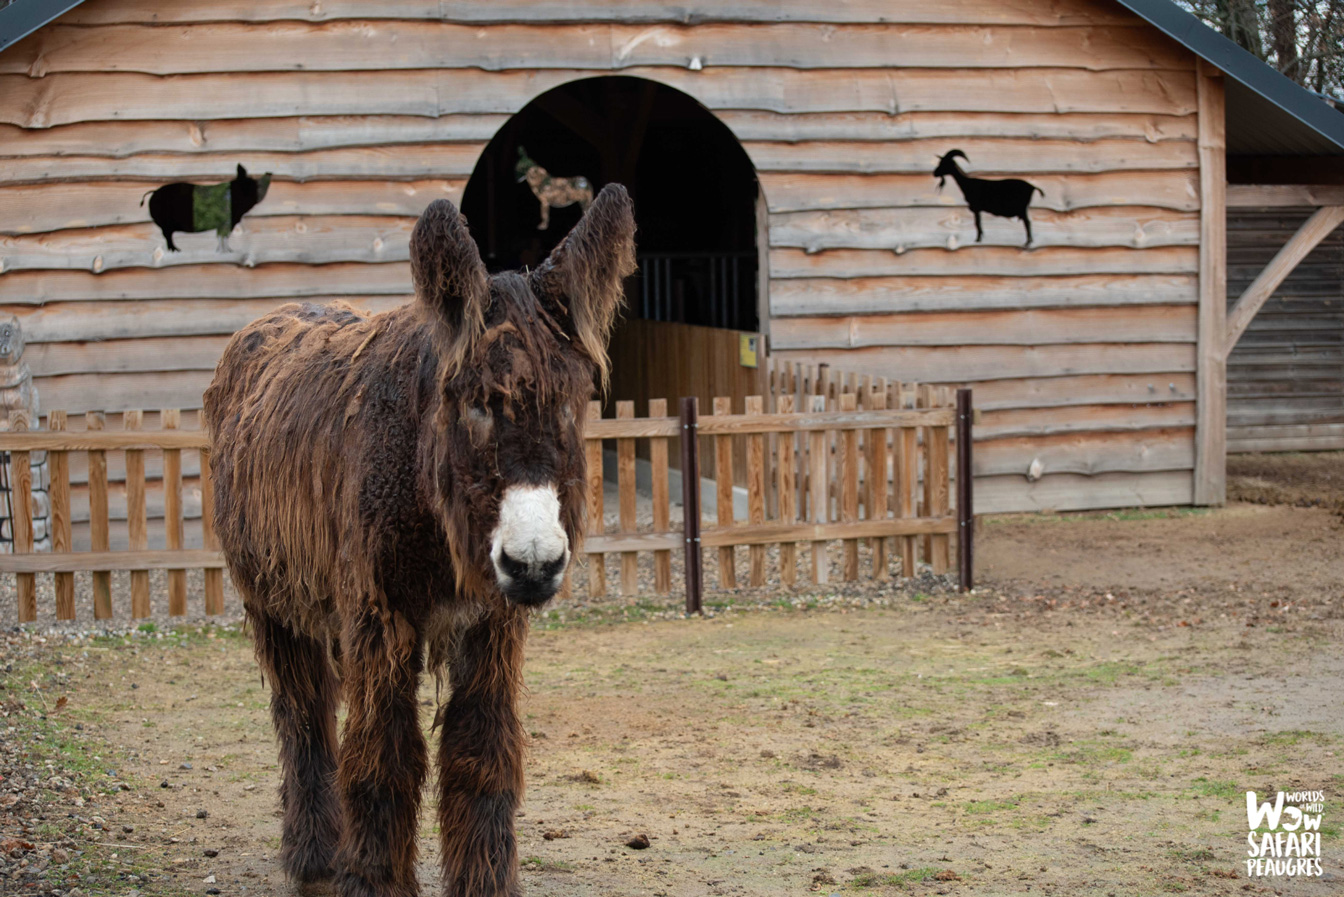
(781, 157)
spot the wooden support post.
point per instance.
(787, 487)
(214, 576)
(965, 503)
(723, 480)
(98, 524)
(1210, 486)
(848, 449)
(58, 466)
(137, 516)
(756, 491)
(172, 513)
(662, 516)
(690, 504)
(21, 495)
(597, 562)
(625, 491)
(818, 449)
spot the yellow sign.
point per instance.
(746, 349)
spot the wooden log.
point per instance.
(1033, 422)
(787, 490)
(315, 240)
(280, 281)
(21, 493)
(723, 478)
(1072, 492)
(756, 491)
(1009, 156)
(901, 230)
(986, 363)
(214, 577)
(1014, 12)
(662, 518)
(625, 484)
(907, 479)
(1087, 453)
(98, 522)
(172, 512)
(80, 392)
(66, 98)
(58, 468)
(338, 46)
(848, 452)
(807, 191)
(759, 125)
(1085, 389)
(818, 452)
(137, 519)
(947, 293)
(66, 204)
(151, 319)
(1031, 327)
(597, 562)
(997, 261)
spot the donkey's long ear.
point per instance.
(450, 279)
(587, 269)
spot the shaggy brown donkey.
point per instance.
(395, 491)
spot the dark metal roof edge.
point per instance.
(1237, 63)
(23, 17)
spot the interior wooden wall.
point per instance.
(1081, 349)
(1284, 383)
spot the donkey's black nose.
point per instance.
(530, 584)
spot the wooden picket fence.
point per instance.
(828, 458)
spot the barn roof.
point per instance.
(1267, 113)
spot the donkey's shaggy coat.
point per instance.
(400, 488)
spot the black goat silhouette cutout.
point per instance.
(1007, 198)
(192, 208)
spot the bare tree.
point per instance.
(1304, 39)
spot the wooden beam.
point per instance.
(1210, 486)
(1319, 226)
(1241, 196)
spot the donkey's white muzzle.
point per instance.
(529, 547)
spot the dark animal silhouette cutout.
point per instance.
(397, 491)
(192, 208)
(552, 192)
(1007, 198)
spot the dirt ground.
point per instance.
(1087, 722)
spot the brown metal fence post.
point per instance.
(965, 506)
(690, 502)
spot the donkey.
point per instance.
(396, 492)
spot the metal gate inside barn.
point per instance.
(696, 294)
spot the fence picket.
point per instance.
(136, 516)
(877, 480)
(625, 490)
(818, 449)
(214, 576)
(787, 488)
(58, 468)
(723, 479)
(662, 514)
(849, 486)
(756, 490)
(21, 496)
(939, 494)
(172, 513)
(98, 524)
(906, 482)
(597, 562)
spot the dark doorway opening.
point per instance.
(694, 190)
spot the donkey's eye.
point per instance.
(477, 414)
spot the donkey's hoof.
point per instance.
(349, 884)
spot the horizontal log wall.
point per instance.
(1081, 349)
(1285, 377)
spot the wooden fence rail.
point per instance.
(858, 461)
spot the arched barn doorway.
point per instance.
(696, 199)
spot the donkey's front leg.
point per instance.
(383, 758)
(481, 759)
